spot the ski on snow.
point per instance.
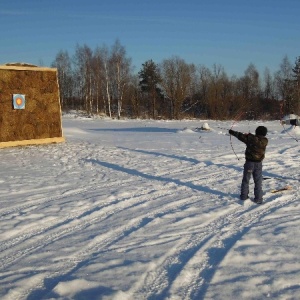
(286, 188)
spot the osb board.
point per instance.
(26, 67)
(41, 117)
(31, 142)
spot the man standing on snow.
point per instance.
(254, 154)
(294, 122)
(292, 119)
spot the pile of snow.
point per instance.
(186, 130)
(205, 127)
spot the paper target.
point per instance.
(18, 101)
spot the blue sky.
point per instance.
(232, 33)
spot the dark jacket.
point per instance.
(256, 145)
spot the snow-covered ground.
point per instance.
(148, 210)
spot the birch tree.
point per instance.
(83, 62)
(120, 72)
(100, 81)
(107, 84)
(64, 72)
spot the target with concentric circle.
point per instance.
(18, 101)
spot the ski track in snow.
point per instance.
(144, 199)
(206, 248)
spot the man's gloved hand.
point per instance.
(230, 131)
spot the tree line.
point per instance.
(102, 81)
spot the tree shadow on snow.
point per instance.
(137, 173)
(210, 163)
(191, 160)
(138, 129)
(185, 158)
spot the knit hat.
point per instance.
(261, 130)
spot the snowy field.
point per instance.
(134, 210)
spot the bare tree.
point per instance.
(134, 95)
(64, 70)
(102, 80)
(176, 80)
(270, 106)
(218, 93)
(204, 81)
(284, 84)
(268, 89)
(250, 84)
(83, 62)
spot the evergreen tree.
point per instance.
(296, 69)
(149, 83)
(296, 84)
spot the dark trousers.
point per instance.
(252, 169)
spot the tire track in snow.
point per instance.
(185, 272)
